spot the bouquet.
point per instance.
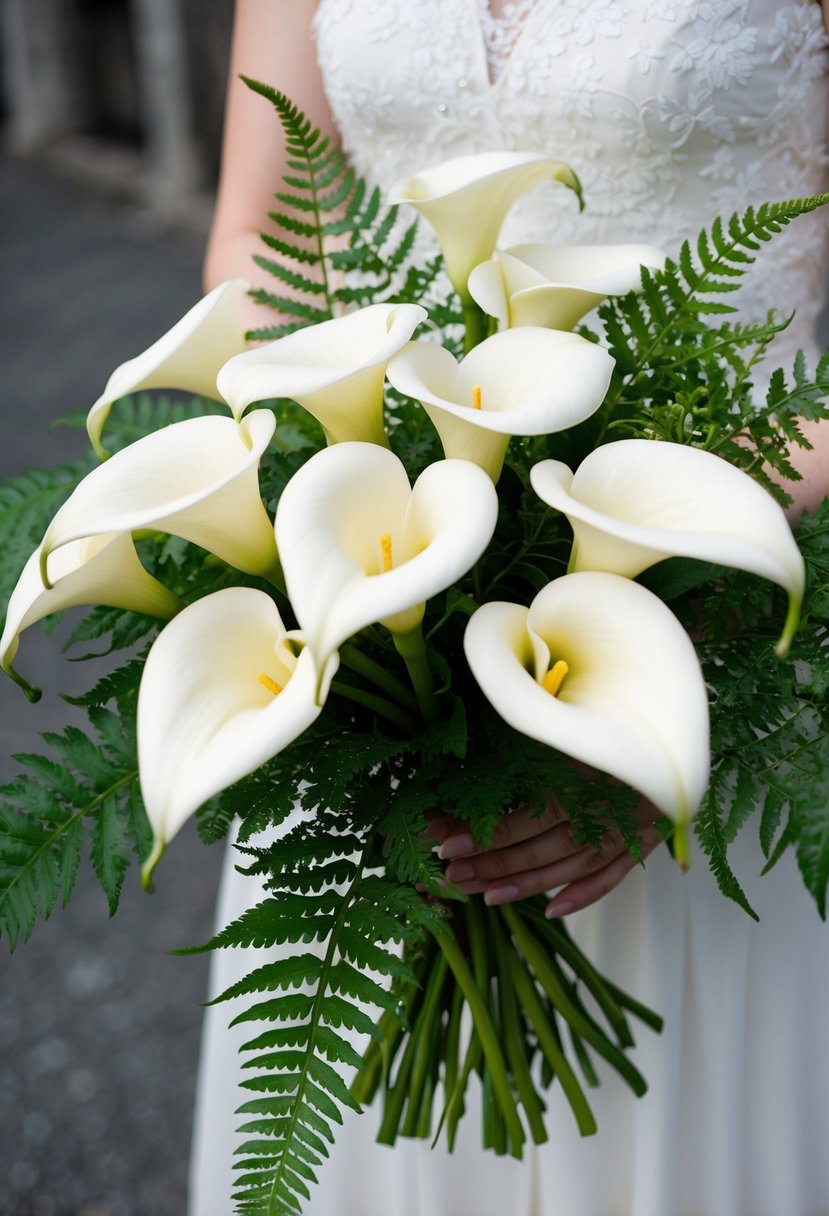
(439, 546)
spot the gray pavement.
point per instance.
(99, 1026)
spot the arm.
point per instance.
(813, 466)
(274, 43)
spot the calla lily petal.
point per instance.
(102, 569)
(555, 285)
(359, 545)
(635, 502)
(466, 200)
(197, 479)
(223, 690)
(335, 370)
(187, 357)
(526, 382)
(633, 701)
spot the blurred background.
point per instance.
(110, 129)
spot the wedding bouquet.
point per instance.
(429, 550)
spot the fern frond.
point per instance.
(42, 817)
(27, 504)
(297, 1068)
(322, 202)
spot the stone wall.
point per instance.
(130, 91)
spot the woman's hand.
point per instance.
(529, 855)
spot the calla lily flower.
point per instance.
(335, 370)
(359, 545)
(599, 668)
(197, 479)
(520, 382)
(187, 357)
(466, 200)
(224, 689)
(102, 569)
(555, 285)
(635, 502)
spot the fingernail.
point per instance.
(500, 895)
(562, 909)
(457, 846)
(460, 871)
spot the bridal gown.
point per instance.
(670, 111)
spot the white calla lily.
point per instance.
(335, 370)
(358, 544)
(632, 700)
(635, 502)
(187, 357)
(466, 200)
(555, 285)
(520, 382)
(102, 569)
(224, 689)
(197, 479)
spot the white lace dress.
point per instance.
(670, 111)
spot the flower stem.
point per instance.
(513, 1032)
(476, 324)
(412, 649)
(549, 979)
(386, 709)
(351, 657)
(548, 1042)
(488, 1038)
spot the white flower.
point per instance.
(359, 545)
(555, 285)
(334, 370)
(196, 479)
(466, 199)
(601, 669)
(224, 689)
(102, 569)
(527, 381)
(635, 502)
(187, 357)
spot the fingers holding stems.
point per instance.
(532, 854)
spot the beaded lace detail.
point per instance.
(501, 32)
(670, 112)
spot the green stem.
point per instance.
(548, 1042)
(386, 709)
(354, 659)
(454, 1101)
(412, 649)
(474, 912)
(581, 1023)
(396, 1096)
(555, 937)
(476, 326)
(422, 1056)
(489, 1039)
(451, 1054)
(636, 1008)
(513, 1032)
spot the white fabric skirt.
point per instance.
(736, 1119)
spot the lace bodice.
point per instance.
(670, 111)
(500, 32)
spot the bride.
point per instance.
(670, 111)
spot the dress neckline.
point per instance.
(501, 32)
(483, 20)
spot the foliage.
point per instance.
(45, 813)
(334, 826)
(331, 225)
